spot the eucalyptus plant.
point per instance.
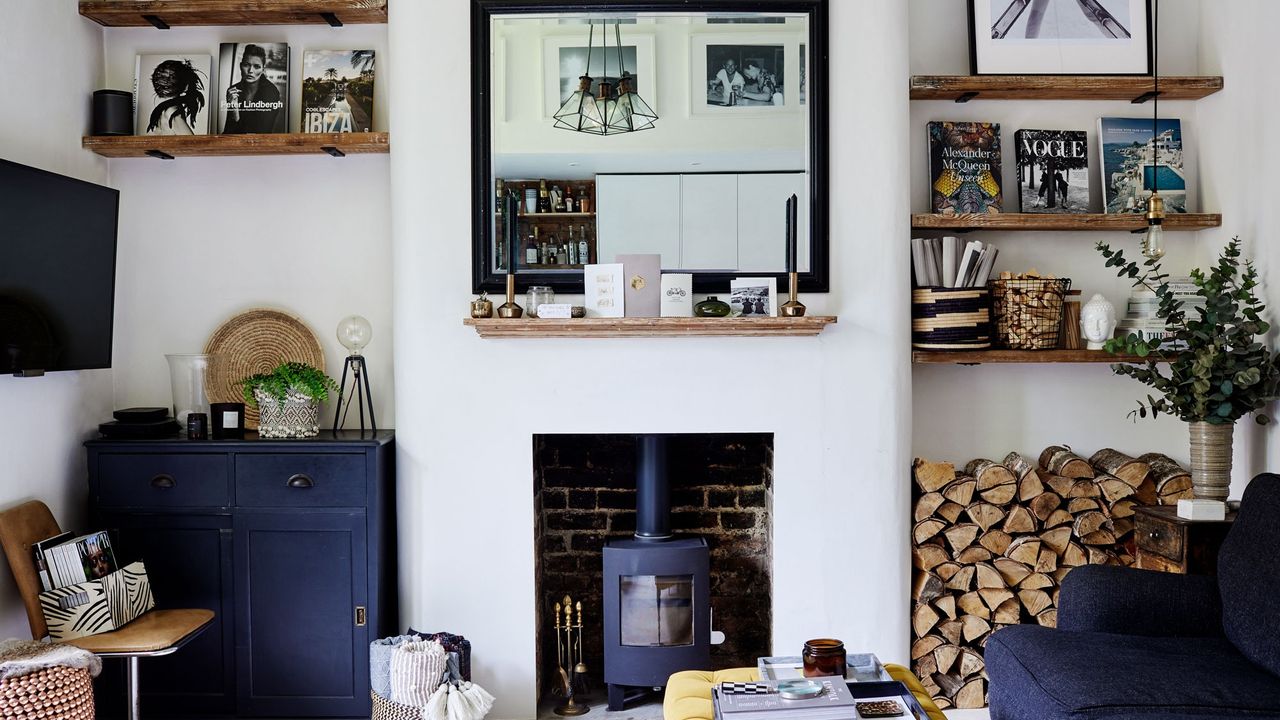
(1219, 367)
(290, 377)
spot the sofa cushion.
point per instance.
(1249, 574)
(1040, 673)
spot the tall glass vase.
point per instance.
(1211, 460)
(188, 377)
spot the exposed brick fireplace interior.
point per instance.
(721, 489)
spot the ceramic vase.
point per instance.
(297, 417)
(1211, 460)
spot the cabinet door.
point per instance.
(300, 577)
(709, 222)
(638, 214)
(762, 222)
(189, 564)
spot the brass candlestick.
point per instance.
(510, 310)
(793, 307)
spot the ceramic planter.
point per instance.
(1211, 460)
(297, 417)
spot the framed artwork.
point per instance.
(745, 73)
(565, 59)
(753, 297)
(1060, 37)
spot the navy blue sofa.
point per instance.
(1136, 644)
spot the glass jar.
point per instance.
(538, 295)
(188, 377)
(824, 657)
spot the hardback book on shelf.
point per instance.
(337, 91)
(1139, 155)
(964, 167)
(1053, 170)
(253, 88)
(171, 94)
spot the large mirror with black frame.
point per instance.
(658, 126)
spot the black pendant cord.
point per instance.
(1155, 110)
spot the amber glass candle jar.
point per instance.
(824, 657)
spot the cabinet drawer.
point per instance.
(300, 480)
(1159, 536)
(163, 481)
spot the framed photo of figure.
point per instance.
(1060, 37)
(745, 73)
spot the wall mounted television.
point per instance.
(57, 271)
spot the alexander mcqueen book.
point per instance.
(1053, 170)
(171, 94)
(337, 91)
(1139, 155)
(253, 82)
(964, 167)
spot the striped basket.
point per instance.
(56, 693)
(950, 318)
(384, 709)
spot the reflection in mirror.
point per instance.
(676, 133)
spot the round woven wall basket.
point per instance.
(56, 693)
(256, 342)
(384, 709)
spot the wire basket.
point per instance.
(61, 693)
(950, 319)
(1028, 313)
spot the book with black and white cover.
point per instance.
(835, 703)
(171, 94)
(253, 88)
(44, 563)
(337, 91)
(1053, 170)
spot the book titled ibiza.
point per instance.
(1140, 155)
(253, 82)
(1053, 170)
(964, 167)
(171, 94)
(337, 91)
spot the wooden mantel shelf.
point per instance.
(1065, 222)
(963, 88)
(165, 13)
(649, 327)
(979, 357)
(176, 146)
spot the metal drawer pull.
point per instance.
(162, 481)
(301, 481)
(1154, 535)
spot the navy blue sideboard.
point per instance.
(291, 542)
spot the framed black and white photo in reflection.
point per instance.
(1060, 37)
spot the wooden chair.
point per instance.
(155, 633)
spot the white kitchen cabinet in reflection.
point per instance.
(709, 222)
(762, 222)
(638, 214)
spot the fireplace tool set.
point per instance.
(569, 662)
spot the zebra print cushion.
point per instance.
(97, 606)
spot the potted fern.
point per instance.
(288, 399)
(1219, 367)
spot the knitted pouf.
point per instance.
(384, 709)
(56, 693)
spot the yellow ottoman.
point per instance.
(688, 695)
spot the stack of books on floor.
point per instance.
(1141, 319)
(65, 560)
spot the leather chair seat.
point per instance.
(153, 631)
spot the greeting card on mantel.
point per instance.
(643, 274)
(603, 289)
(677, 295)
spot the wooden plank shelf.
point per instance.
(650, 327)
(166, 147)
(554, 215)
(1065, 222)
(1136, 89)
(1007, 357)
(166, 13)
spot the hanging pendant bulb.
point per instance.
(580, 111)
(1153, 240)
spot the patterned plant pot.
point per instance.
(297, 417)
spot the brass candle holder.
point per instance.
(510, 310)
(793, 307)
(569, 661)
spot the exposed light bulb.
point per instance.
(354, 332)
(1153, 242)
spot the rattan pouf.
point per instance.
(384, 709)
(57, 693)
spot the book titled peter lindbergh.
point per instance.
(253, 86)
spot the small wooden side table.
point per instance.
(1171, 544)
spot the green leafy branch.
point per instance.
(290, 377)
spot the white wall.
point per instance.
(44, 420)
(838, 404)
(203, 239)
(986, 411)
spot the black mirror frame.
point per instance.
(484, 278)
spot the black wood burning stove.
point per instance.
(657, 606)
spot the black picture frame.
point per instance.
(486, 279)
(973, 50)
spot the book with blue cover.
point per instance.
(1139, 155)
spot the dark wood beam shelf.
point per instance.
(165, 13)
(1048, 222)
(1137, 89)
(167, 147)
(1006, 357)
(649, 327)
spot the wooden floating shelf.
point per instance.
(650, 327)
(1006, 357)
(165, 13)
(1137, 89)
(1051, 222)
(177, 146)
(554, 215)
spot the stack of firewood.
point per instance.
(992, 544)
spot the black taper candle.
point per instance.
(512, 211)
(793, 204)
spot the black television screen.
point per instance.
(57, 271)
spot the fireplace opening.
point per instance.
(663, 539)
